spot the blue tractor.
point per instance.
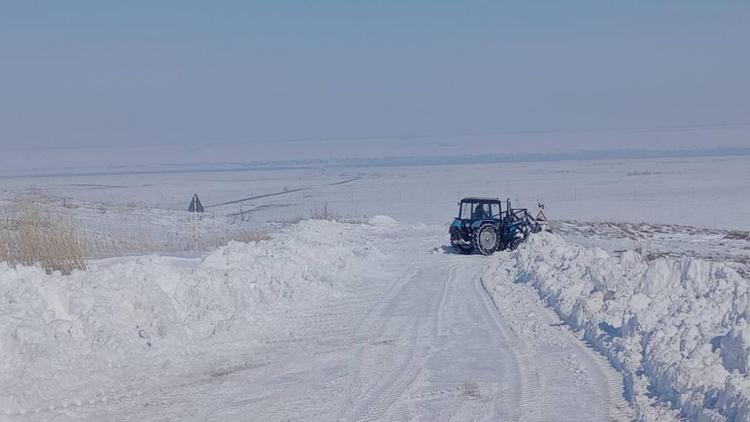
(486, 225)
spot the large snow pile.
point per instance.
(57, 332)
(678, 329)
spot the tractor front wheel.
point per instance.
(486, 240)
(463, 248)
(460, 245)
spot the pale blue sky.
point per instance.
(136, 72)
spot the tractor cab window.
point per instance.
(466, 210)
(494, 209)
(481, 211)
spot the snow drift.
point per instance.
(677, 329)
(57, 332)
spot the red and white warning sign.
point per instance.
(540, 217)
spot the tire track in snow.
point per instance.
(607, 379)
(562, 357)
(528, 386)
(368, 332)
(443, 299)
(376, 402)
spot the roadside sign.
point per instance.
(195, 204)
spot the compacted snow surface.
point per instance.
(325, 321)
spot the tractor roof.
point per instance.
(477, 199)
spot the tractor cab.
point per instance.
(479, 209)
(474, 213)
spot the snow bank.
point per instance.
(57, 332)
(677, 329)
(382, 220)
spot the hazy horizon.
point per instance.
(186, 73)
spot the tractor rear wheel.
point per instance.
(486, 240)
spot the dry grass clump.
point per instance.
(251, 236)
(326, 213)
(31, 237)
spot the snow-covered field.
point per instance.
(635, 307)
(707, 192)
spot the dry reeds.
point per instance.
(31, 237)
(251, 236)
(326, 213)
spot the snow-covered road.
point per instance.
(418, 337)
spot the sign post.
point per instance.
(195, 207)
(540, 217)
